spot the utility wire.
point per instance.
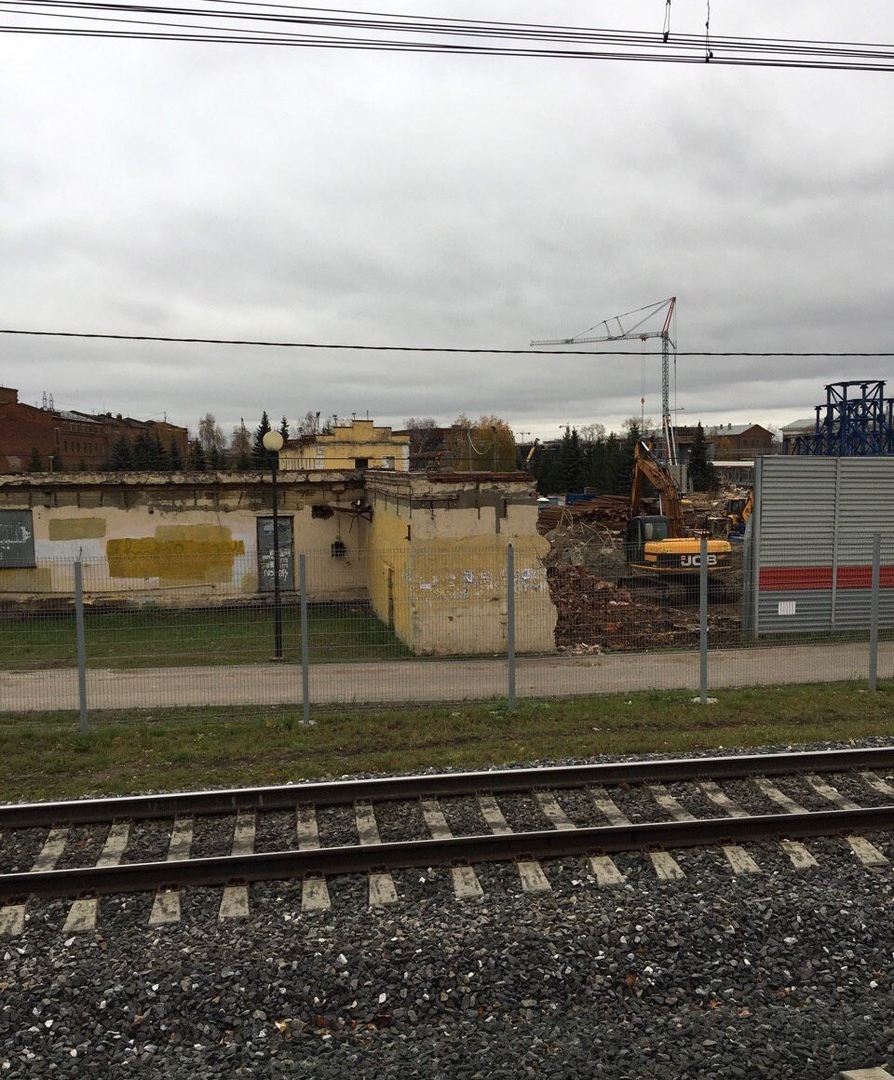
(256, 343)
(228, 21)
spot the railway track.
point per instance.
(313, 832)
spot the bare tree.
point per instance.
(309, 424)
(212, 440)
(591, 433)
(240, 447)
(424, 435)
(640, 424)
(483, 445)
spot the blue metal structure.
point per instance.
(851, 424)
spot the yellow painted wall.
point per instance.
(389, 577)
(342, 448)
(40, 579)
(448, 547)
(432, 560)
(182, 543)
(460, 597)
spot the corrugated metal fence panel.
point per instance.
(810, 611)
(866, 495)
(815, 519)
(796, 501)
(801, 612)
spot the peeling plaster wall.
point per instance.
(444, 576)
(432, 560)
(389, 573)
(194, 537)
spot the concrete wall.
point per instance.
(438, 550)
(192, 536)
(428, 551)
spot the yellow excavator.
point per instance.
(738, 511)
(658, 545)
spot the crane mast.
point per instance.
(624, 331)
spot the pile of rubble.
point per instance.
(600, 608)
(599, 508)
(595, 615)
(594, 544)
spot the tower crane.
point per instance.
(631, 329)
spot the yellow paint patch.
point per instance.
(203, 534)
(77, 528)
(38, 580)
(178, 553)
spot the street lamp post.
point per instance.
(273, 444)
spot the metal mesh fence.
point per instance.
(447, 623)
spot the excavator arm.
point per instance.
(646, 467)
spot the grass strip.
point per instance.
(159, 637)
(45, 757)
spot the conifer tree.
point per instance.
(196, 455)
(175, 457)
(624, 475)
(571, 462)
(702, 474)
(260, 457)
(121, 455)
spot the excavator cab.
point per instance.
(642, 530)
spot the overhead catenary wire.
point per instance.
(232, 22)
(488, 350)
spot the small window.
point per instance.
(361, 463)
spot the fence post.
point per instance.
(82, 643)
(703, 621)
(305, 667)
(510, 621)
(874, 609)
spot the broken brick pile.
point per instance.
(595, 615)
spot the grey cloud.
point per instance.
(415, 200)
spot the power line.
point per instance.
(228, 21)
(258, 343)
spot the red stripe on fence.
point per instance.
(789, 578)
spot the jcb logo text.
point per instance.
(696, 560)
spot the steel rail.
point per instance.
(552, 843)
(433, 785)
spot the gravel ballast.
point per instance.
(776, 975)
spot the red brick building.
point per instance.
(60, 441)
(738, 441)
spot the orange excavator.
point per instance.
(658, 545)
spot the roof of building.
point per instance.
(82, 418)
(800, 425)
(735, 429)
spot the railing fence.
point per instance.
(386, 628)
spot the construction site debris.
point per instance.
(589, 577)
(595, 615)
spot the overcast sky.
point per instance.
(198, 190)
